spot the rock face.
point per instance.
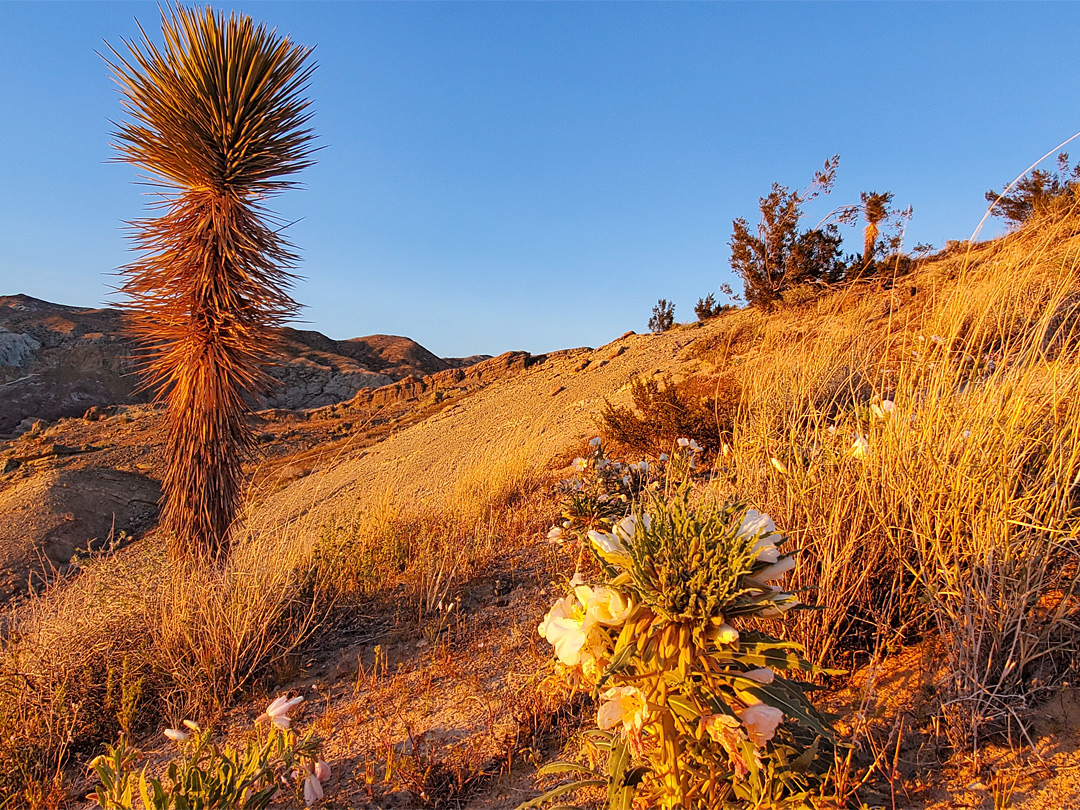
(60, 361)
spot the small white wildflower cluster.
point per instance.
(222, 776)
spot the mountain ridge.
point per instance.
(59, 360)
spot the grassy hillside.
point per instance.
(917, 439)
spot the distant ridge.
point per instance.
(58, 360)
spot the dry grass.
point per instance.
(132, 641)
(962, 517)
(428, 545)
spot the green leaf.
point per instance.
(561, 790)
(562, 766)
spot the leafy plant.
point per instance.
(217, 120)
(695, 713)
(207, 776)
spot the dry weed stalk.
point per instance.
(216, 119)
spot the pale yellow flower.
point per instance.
(761, 721)
(624, 705)
(860, 448)
(608, 607)
(562, 627)
(176, 735)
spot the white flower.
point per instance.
(684, 442)
(594, 441)
(761, 721)
(762, 675)
(192, 725)
(966, 434)
(555, 535)
(663, 458)
(726, 634)
(626, 528)
(312, 789)
(860, 448)
(176, 735)
(776, 570)
(322, 771)
(625, 705)
(278, 711)
(609, 545)
(888, 406)
(581, 464)
(608, 607)
(563, 628)
(755, 523)
(694, 446)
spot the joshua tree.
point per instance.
(217, 118)
(876, 210)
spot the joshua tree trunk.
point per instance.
(217, 119)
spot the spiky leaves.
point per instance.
(218, 119)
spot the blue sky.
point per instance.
(536, 175)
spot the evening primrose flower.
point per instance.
(192, 725)
(694, 446)
(322, 771)
(555, 535)
(760, 721)
(860, 448)
(727, 731)
(563, 628)
(683, 442)
(278, 711)
(594, 442)
(313, 790)
(776, 570)
(756, 523)
(176, 735)
(608, 607)
(626, 528)
(581, 464)
(625, 706)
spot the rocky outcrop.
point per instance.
(58, 361)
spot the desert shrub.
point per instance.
(663, 411)
(1036, 194)
(696, 710)
(663, 316)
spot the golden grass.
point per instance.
(962, 518)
